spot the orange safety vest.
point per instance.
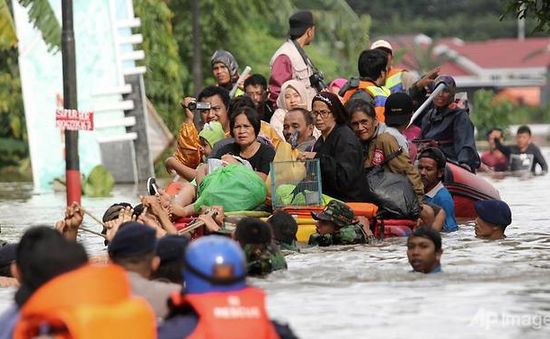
(378, 93)
(393, 81)
(91, 302)
(237, 314)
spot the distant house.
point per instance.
(516, 68)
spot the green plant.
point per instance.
(488, 112)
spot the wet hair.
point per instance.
(494, 129)
(371, 63)
(255, 80)
(253, 231)
(252, 116)
(524, 129)
(307, 115)
(435, 154)
(428, 233)
(283, 226)
(41, 255)
(210, 91)
(334, 105)
(114, 210)
(360, 105)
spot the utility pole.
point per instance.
(72, 161)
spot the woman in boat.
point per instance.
(338, 149)
(381, 142)
(245, 127)
(293, 95)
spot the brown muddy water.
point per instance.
(498, 289)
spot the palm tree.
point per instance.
(41, 16)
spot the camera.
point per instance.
(194, 105)
(316, 80)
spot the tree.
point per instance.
(537, 9)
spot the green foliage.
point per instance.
(7, 29)
(163, 80)
(99, 183)
(43, 18)
(465, 19)
(539, 10)
(488, 112)
(13, 134)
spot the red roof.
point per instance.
(451, 68)
(505, 53)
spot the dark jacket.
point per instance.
(538, 158)
(341, 160)
(454, 131)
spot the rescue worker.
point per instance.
(373, 71)
(256, 240)
(450, 127)
(217, 302)
(398, 79)
(336, 225)
(290, 61)
(284, 228)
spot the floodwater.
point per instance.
(496, 289)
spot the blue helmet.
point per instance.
(214, 264)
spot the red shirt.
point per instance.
(495, 160)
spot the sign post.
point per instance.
(72, 161)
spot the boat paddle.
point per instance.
(438, 88)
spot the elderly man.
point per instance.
(493, 216)
(298, 129)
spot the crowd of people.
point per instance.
(173, 285)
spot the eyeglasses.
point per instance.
(322, 113)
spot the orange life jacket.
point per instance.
(379, 95)
(239, 314)
(91, 302)
(393, 81)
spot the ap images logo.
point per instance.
(491, 319)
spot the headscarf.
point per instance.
(450, 83)
(334, 104)
(338, 83)
(298, 87)
(228, 60)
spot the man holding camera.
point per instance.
(290, 60)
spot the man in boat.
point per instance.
(493, 216)
(398, 79)
(290, 60)
(41, 255)
(524, 147)
(298, 129)
(284, 228)
(424, 250)
(336, 225)
(217, 300)
(188, 155)
(493, 159)
(431, 165)
(449, 126)
(373, 71)
(256, 88)
(256, 240)
(134, 248)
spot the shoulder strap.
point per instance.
(392, 156)
(304, 56)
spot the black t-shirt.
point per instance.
(259, 161)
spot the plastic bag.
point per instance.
(234, 187)
(393, 193)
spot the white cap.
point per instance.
(381, 44)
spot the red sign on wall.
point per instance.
(73, 120)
